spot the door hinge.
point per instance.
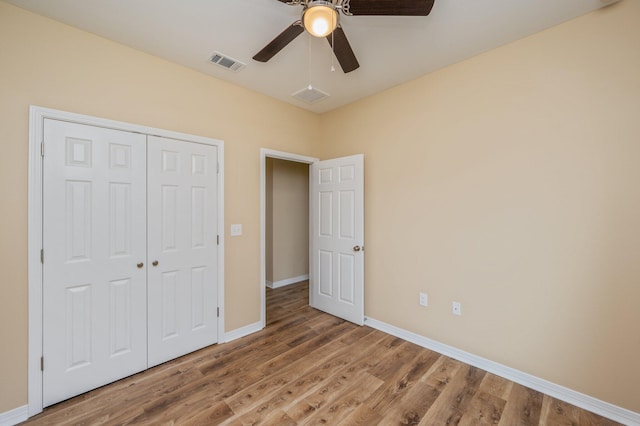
(42, 149)
(41, 255)
(41, 363)
(218, 312)
(218, 239)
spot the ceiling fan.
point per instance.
(322, 19)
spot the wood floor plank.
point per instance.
(442, 372)
(345, 402)
(362, 416)
(496, 386)
(402, 381)
(556, 412)
(329, 402)
(399, 357)
(215, 414)
(411, 408)
(263, 389)
(307, 367)
(455, 397)
(313, 379)
(523, 407)
(485, 409)
(488, 403)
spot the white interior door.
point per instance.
(94, 240)
(337, 237)
(183, 250)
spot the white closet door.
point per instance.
(182, 248)
(94, 233)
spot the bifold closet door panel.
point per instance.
(182, 247)
(94, 271)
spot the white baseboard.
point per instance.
(15, 416)
(578, 399)
(288, 281)
(242, 331)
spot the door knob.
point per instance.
(356, 248)
(140, 265)
(154, 263)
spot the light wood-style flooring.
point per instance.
(307, 367)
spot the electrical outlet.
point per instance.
(456, 308)
(424, 299)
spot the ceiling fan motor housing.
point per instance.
(320, 18)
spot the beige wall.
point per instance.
(48, 64)
(287, 217)
(510, 183)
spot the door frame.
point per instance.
(37, 115)
(280, 155)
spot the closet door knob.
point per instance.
(140, 265)
(154, 263)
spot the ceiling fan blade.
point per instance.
(278, 43)
(342, 50)
(391, 7)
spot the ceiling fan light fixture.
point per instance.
(320, 18)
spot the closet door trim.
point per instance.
(37, 115)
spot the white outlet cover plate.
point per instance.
(456, 308)
(424, 299)
(236, 229)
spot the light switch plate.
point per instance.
(236, 229)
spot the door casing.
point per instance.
(37, 115)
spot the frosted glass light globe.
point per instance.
(320, 19)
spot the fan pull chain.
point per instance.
(309, 57)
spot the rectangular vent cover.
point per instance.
(227, 62)
(310, 94)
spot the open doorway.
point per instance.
(285, 224)
(287, 234)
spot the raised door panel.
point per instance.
(78, 327)
(94, 234)
(120, 219)
(121, 316)
(169, 305)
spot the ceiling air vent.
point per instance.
(227, 62)
(310, 94)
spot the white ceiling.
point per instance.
(391, 50)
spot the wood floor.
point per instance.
(307, 367)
